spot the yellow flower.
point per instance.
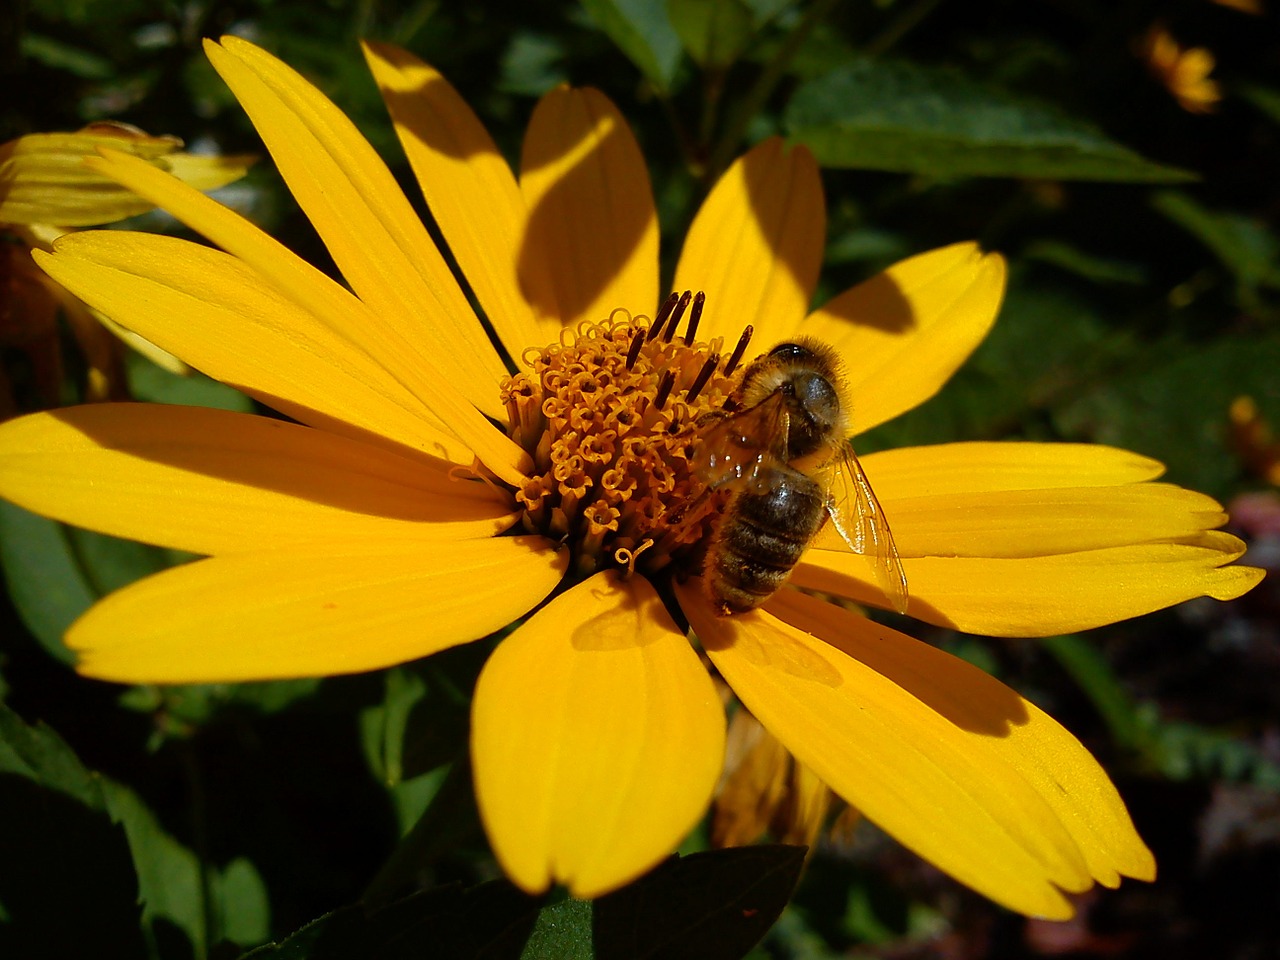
(1253, 440)
(47, 189)
(1252, 7)
(765, 789)
(394, 519)
(1183, 70)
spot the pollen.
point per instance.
(608, 415)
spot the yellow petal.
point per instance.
(105, 378)
(756, 245)
(808, 801)
(932, 782)
(597, 737)
(903, 333)
(467, 184)
(754, 784)
(211, 481)
(1018, 739)
(1033, 523)
(330, 315)
(1042, 596)
(957, 468)
(218, 315)
(45, 180)
(312, 611)
(377, 241)
(207, 172)
(591, 235)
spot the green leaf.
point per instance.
(67, 879)
(446, 820)
(1266, 99)
(715, 905)
(382, 727)
(1177, 749)
(1072, 259)
(241, 902)
(715, 33)
(712, 906)
(885, 115)
(532, 64)
(63, 56)
(1184, 751)
(170, 884)
(642, 31)
(1243, 244)
(1093, 674)
(48, 585)
(149, 382)
(1174, 406)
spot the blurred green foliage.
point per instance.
(203, 821)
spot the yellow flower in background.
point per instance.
(1183, 70)
(394, 519)
(1252, 7)
(1253, 440)
(46, 189)
(766, 790)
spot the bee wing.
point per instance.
(859, 519)
(732, 448)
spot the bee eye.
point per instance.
(817, 397)
(792, 351)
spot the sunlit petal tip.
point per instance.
(903, 333)
(755, 245)
(962, 770)
(423, 328)
(590, 240)
(597, 738)
(467, 183)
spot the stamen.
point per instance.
(699, 301)
(703, 376)
(634, 352)
(664, 311)
(664, 389)
(681, 307)
(739, 350)
(627, 558)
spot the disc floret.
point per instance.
(608, 415)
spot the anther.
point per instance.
(664, 311)
(664, 389)
(739, 350)
(633, 353)
(699, 301)
(703, 376)
(681, 307)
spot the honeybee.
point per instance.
(779, 447)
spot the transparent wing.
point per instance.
(859, 519)
(731, 448)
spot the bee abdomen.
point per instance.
(761, 538)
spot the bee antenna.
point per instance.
(703, 376)
(664, 311)
(739, 350)
(681, 307)
(633, 352)
(664, 389)
(699, 301)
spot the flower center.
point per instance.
(608, 417)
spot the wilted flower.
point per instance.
(46, 190)
(1183, 70)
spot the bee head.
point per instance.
(813, 402)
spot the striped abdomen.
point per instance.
(762, 537)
